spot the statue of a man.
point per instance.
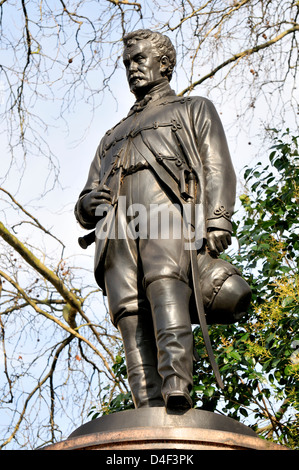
(145, 161)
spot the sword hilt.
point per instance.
(191, 184)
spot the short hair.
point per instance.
(161, 43)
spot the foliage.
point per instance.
(122, 401)
(259, 356)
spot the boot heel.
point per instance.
(177, 400)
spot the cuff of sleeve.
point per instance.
(220, 223)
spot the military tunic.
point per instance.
(145, 158)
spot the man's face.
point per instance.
(142, 67)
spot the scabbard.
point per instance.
(196, 285)
(87, 240)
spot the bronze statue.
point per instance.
(169, 153)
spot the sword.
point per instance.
(196, 285)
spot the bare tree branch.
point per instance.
(239, 56)
(57, 321)
(49, 375)
(36, 221)
(40, 267)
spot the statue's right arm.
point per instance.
(90, 197)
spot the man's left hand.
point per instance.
(218, 240)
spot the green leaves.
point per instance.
(255, 356)
(119, 366)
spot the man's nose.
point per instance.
(132, 66)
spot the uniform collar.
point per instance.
(158, 91)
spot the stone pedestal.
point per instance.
(160, 429)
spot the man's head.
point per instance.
(149, 58)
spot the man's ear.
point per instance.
(164, 64)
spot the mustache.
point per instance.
(135, 76)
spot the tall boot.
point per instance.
(141, 358)
(169, 300)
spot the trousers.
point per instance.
(146, 276)
(149, 244)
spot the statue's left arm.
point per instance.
(219, 180)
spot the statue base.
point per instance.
(161, 429)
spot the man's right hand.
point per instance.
(92, 200)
